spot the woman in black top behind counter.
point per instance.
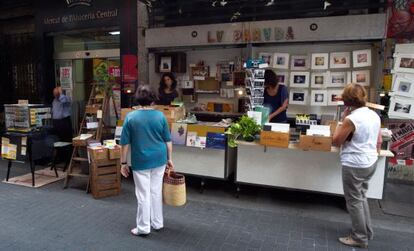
(167, 91)
(276, 98)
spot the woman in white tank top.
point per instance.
(360, 140)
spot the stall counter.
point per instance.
(293, 168)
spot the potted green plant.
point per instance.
(246, 128)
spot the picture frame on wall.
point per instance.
(362, 58)
(334, 96)
(165, 64)
(403, 85)
(361, 77)
(298, 97)
(281, 61)
(340, 60)
(299, 63)
(299, 79)
(320, 61)
(401, 108)
(266, 57)
(404, 63)
(337, 79)
(319, 98)
(282, 78)
(319, 79)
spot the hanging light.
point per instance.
(271, 2)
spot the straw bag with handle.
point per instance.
(173, 190)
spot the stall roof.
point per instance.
(168, 13)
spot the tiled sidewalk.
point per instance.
(51, 218)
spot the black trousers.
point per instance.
(63, 129)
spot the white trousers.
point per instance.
(148, 189)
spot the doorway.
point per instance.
(80, 59)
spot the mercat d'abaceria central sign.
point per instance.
(72, 3)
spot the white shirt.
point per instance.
(361, 150)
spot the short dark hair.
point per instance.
(145, 96)
(170, 75)
(354, 95)
(270, 78)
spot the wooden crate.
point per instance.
(274, 139)
(98, 153)
(81, 142)
(115, 153)
(105, 178)
(315, 143)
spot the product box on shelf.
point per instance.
(274, 139)
(315, 143)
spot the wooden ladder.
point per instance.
(95, 103)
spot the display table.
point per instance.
(204, 162)
(293, 168)
(29, 147)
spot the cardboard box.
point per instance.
(202, 130)
(274, 139)
(115, 153)
(98, 153)
(315, 143)
(124, 112)
(171, 113)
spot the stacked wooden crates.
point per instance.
(105, 171)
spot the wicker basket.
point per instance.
(173, 191)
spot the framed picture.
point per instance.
(299, 63)
(337, 79)
(334, 96)
(299, 79)
(282, 78)
(340, 60)
(281, 60)
(266, 57)
(361, 77)
(401, 108)
(165, 64)
(404, 63)
(319, 98)
(319, 79)
(362, 58)
(200, 72)
(320, 61)
(298, 97)
(403, 85)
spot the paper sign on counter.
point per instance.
(23, 151)
(99, 114)
(24, 141)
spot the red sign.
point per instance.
(114, 71)
(129, 68)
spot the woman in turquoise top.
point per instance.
(146, 132)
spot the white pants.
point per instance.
(148, 189)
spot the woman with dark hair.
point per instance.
(167, 91)
(360, 139)
(276, 98)
(146, 132)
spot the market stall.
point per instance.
(293, 168)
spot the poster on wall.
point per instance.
(402, 141)
(129, 68)
(65, 74)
